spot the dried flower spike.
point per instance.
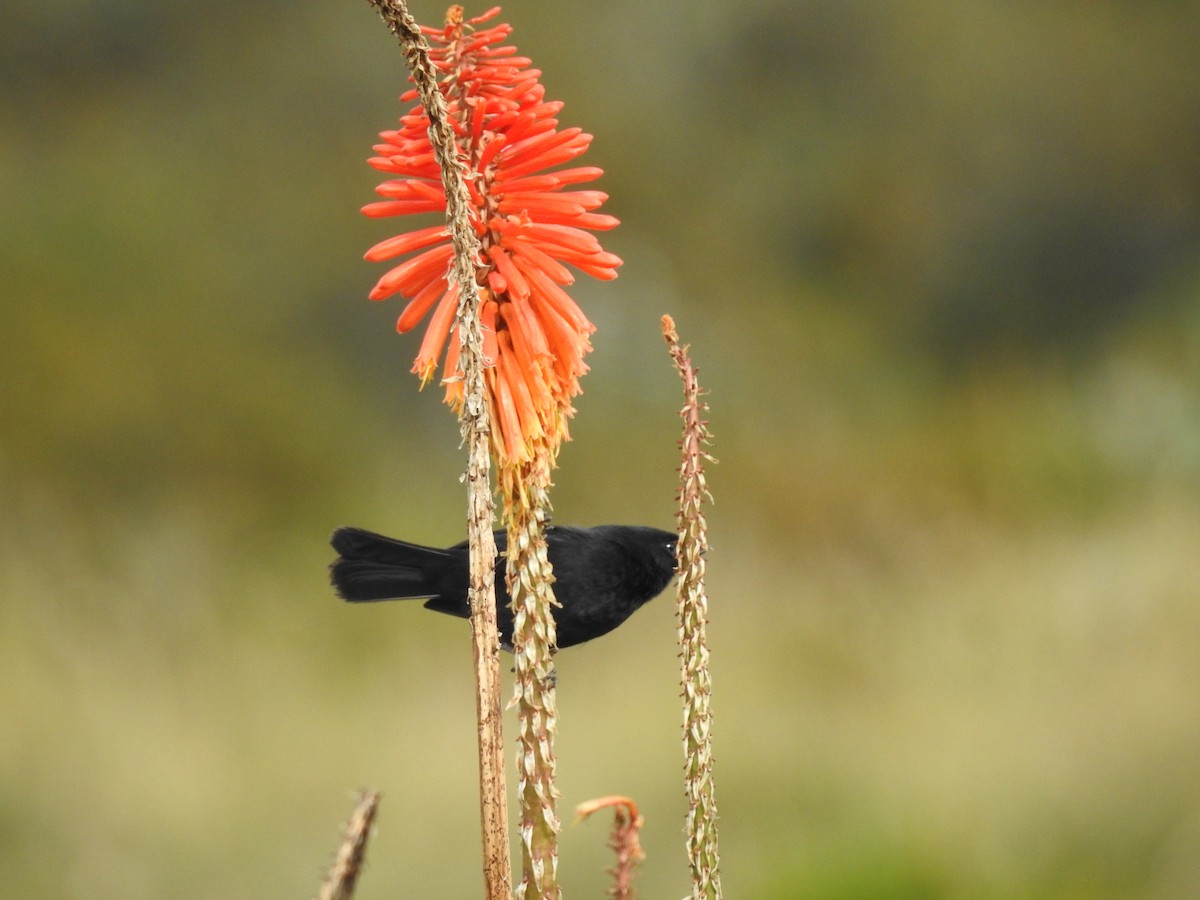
(692, 610)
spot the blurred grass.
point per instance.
(938, 266)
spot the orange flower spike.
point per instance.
(532, 221)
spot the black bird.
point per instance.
(602, 575)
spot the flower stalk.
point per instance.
(463, 295)
(692, 610)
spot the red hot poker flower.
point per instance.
(532, 224)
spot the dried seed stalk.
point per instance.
(692, 608)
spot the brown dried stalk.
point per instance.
(692, 608)
(623, 840)
(343, 874)
(473, 421)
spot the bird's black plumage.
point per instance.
(602, 575)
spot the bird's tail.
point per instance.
(373, 567)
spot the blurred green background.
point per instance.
(939, 264)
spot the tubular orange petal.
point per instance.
(496, 283)
(537, 204)
(579, 260)
(548, 181)
(510, 371)
(526, 329)
(604, 272)
(530, 253)
(418, 167)
(383, 208)
(406, 243)
(604, 268)
(451, 376)
(477, 113)
(504, 415)
(490, 149)
(529, 123)
(517, 287)
(478, 45)
(487, 318)
(535, 368)
(567, 344)
(435, 335)
(532, 147)
(528, 87)
(551, 157)
(563, 236)
(513, 62)
(557, 299)
(411, 189)
(537, 183)
(578, 175)
(549, 216)
(586, 199)
(401, 207)
(413, 274)
(596, 221)
(415, 311)
(491, 13)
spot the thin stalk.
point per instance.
(473, 421)
(692, 609)
(342, 877)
